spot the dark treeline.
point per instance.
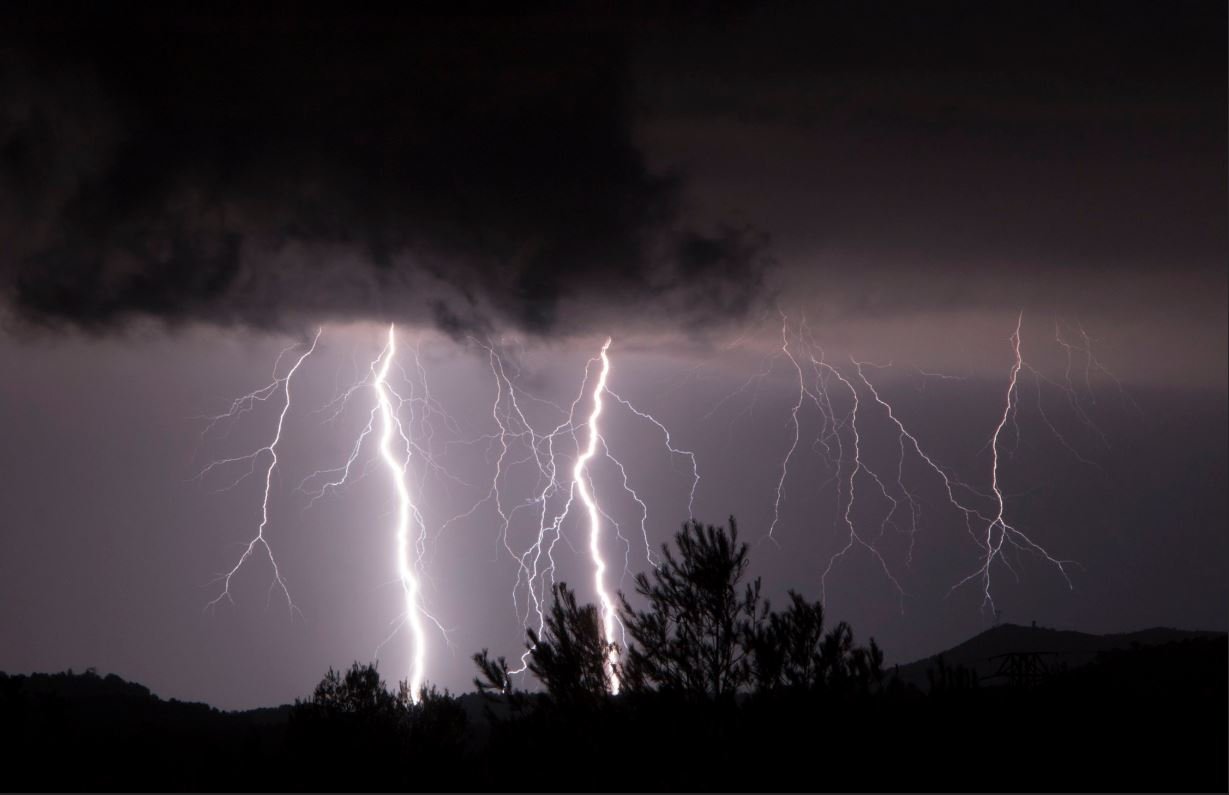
(717, 690)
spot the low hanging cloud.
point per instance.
(278, 168)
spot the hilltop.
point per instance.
(1062, 648)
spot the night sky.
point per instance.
(183, 195)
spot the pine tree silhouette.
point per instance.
(570, 658)
(695, 636)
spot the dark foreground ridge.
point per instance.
(1142, 718)
(718, 692)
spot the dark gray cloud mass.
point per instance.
(258, 165)
(580, 168)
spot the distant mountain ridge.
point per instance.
(1068, 648)
(99, 693)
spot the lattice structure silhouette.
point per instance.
(1022, 668)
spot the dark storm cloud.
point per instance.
(951, 154)
(580, 169)
(260, 166)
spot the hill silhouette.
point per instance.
(1146, 711)
(89, 732)
(1063, 648)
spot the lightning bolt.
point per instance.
(238, 407)
(398, 463)
(562, 465)
(859, 467)
(1007, 533)
(984, 512)
(584, 489)
(397, 446)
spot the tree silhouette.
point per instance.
(570, 658)
(437, 727)
(695, 635)
(792, 652)
(787, 647)
(494, 684)
(493, 676)
(360, 691)
(849, 669)
(349, 716)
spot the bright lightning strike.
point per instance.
(396, 449)
(584, 489)
(552, 455)
(398, 463)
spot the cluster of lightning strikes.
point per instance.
(561, 461)
(395, 449)
(518, 442)
(562, 452)
(983, 510)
